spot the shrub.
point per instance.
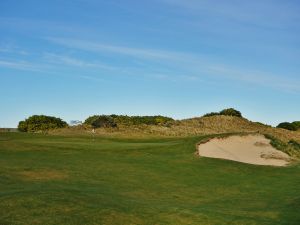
(211, 114)
(225, 112)
(22, 126)
(98, 121)
(231, 112)
(115, 120)
(296, 124)
(287, 126)
(40, 123)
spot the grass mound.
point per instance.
(189, 127)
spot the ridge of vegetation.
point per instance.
(226, 121)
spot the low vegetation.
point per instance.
(290, 126)
(142, 120)
(287, 126)
(295, 144)
(225, 112)
(41, 123)
(98, 121)
(225, 121)
(297, 124)
(292, 147)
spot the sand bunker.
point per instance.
(253, 149)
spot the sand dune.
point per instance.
(252, 149)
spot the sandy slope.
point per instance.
(253, 149)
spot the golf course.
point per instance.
(86, 179)
(162, 112)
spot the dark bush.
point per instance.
(287, 126)
(115, 120)
(98, 121)
(22, 126)
(231, 112)
(296, 124)
(211, 114)
(139, 120)
(41, 123)
(225, 112)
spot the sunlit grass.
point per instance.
(95, 180)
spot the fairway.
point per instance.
(84, 180)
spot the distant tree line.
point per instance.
(43, 123)
(290, 126)
(225, 112)
(37, 123)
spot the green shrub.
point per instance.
(211, 114)
(22, 126)
(287, 126)
(150, 120)
(225, 112)
(41, 123)
(98, 121)
(296, 124)
(115, 120)
(231, 112)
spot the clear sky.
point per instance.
(179, 58)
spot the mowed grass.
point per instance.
(85, 180)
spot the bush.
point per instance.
(115, 120)
(231, 112)
(98, 121)
(296, 124)
(41, 123)
(287, 126)
(211, 114)
(225, 112)
(22, 126)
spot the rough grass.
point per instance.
(189, 127)
(291, 148)
(137, 181)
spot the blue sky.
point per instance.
(178, 58)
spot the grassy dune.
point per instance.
(100, 180)
(195, 126)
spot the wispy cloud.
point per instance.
(22, 65)
(74, 62)
(273, 14)
(43, 69)
(92, 78)
(42, 26)
(172, 65)
(255, 77)
(11, 49)
(122, 50)
(196, 66)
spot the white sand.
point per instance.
(253, 149)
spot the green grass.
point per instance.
(81, 180)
